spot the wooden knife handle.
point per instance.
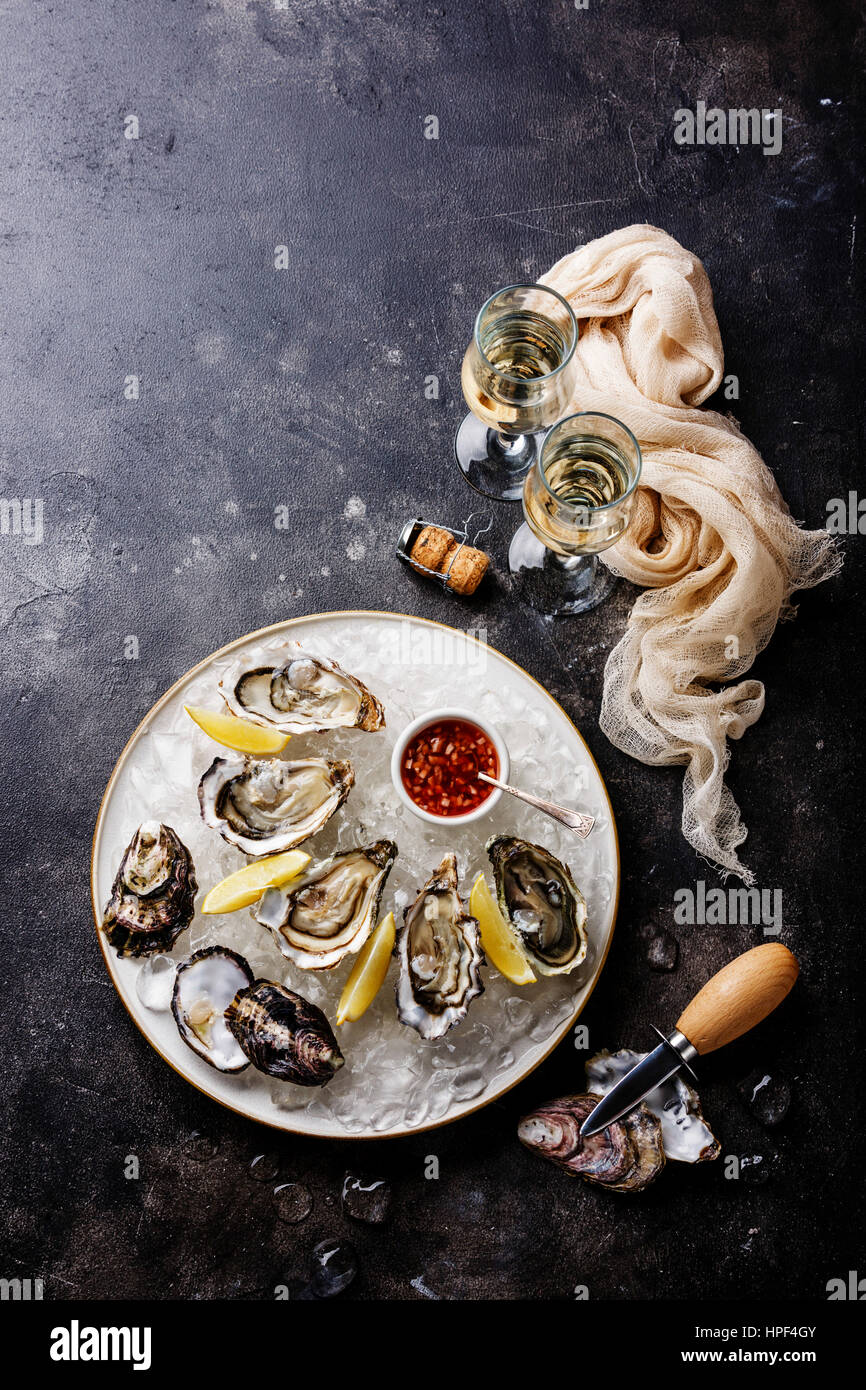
(739, 996)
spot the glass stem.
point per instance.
(571, 562)
(513, 450)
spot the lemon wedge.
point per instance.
(248, 884)
(496, 939)
(237, 733)
(368, 972)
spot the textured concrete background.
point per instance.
(297, 124)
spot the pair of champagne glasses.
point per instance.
(577, 476)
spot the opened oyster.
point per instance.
(541, 902)
(204, 986)
(302, 694)
(685, 1133)
(439, 951)
(330, 909)
(153, 894)
(265, 805)
(624, 1157)
(283, 1034)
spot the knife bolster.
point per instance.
(679, 1043)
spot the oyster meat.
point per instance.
(541, 903)
(204, 986)
(439, 951)
(685, 1133)
(625, 1157)
(266, 805)
(330, 909)
(283, 1034)
(153, 895)
(302, 694)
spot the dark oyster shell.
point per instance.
(153, 895)
(645, 1131)
(624, 1157)
(283, 1034)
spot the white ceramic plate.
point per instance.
(393, 1082)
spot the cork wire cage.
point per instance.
(447, 554)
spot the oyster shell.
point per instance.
(330, 909)
(283, 1034)
(153, 894)
(624, 1157)
(303, 694)
(686, 1135)
(266, 805)
(439, 950)
(204, 986)
(541, 903)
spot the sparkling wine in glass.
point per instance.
(518, 376)
(578, 499)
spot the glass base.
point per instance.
(556, 585)
(495, 464)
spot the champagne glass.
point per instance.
(578, 499)
(518, 376)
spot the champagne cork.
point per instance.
(462, 566)
(432, 548)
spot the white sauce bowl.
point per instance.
(433, 717)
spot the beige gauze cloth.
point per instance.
(711, 540)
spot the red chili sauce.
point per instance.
(440, 767)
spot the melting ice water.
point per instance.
(391, 1077)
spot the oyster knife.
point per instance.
(743, 993)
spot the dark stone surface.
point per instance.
(300, 124)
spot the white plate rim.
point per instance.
(273, 630)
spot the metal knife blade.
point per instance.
(672, 1053)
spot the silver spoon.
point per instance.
(575, 820)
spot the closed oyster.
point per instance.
(625, 1157)
(283, 1034)
(302, 694)
(439, 950)
(685, 1133)
(541, 903)
(330, 909)
(153, 894)
(204, 986)
(265, 805)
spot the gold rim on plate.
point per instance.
(260, 634)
